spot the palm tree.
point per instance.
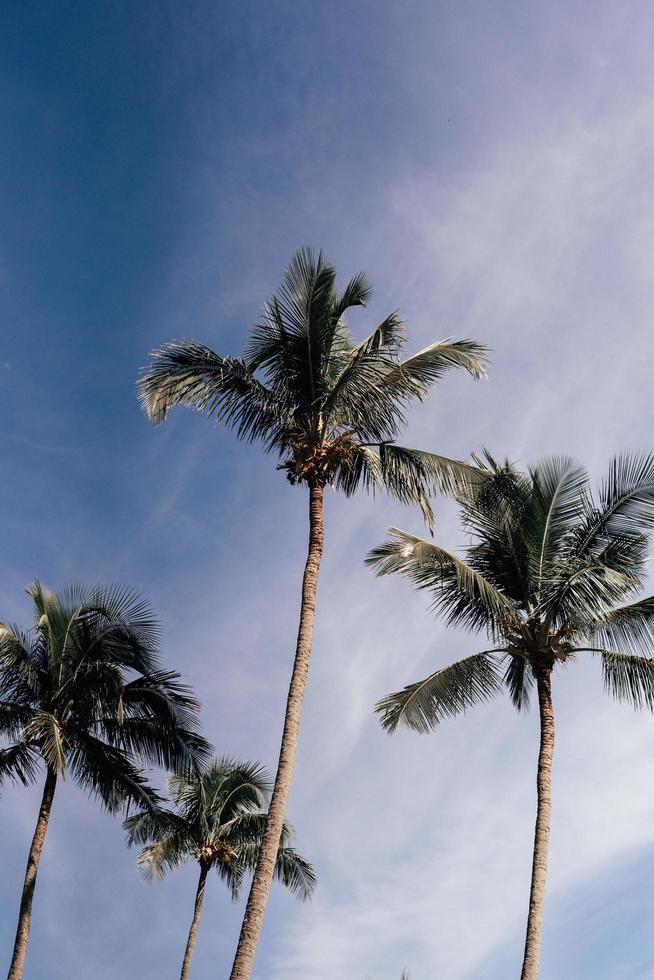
(217, 820)
(330, 410)
(82, 693)
(546, 577)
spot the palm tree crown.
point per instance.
(218, 820)
(328, 407)
(551, 572)
(83, 692)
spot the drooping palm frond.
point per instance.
(185, 372)
(629, 678)
(445, 693)
(167, 852)
(20, 763)
(629, 628)
(457, 589)
(110, 775)
(519, 679)
(295, 873)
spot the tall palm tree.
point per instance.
(82, 693)
(552, 573)
(330, 409)
(217, 820)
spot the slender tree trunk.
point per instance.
(193, 931)
(263, 875)
(25, 912)
(531, 962)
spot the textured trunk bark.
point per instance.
(25, 912)
(531, 962)
(193, 931)
(263, 875)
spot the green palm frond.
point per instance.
(14, 717)
(629, 678)
(146, 825)
(357, 293)
(626, 503)
(44, 730)
(185, 372)
(20, 763)
(109, 774)
(457, 589)
(295, 873)
(413, 377)
(22, 665)
(444, 694)
(433, 473)
(629, 628)
(580, 591)
(167, 852)
(291, 869)
(558, 500)
(235, 788)
(518, 679)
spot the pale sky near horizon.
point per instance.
(490, 165)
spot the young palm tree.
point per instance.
(217, 820)
(330, 410)
(82, 693)
(546, 578)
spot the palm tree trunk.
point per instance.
(25, 912)
(193, 931)
(263, 875)
(531, 962)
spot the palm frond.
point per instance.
(413, 377)
(357, 293)
(629, 628)
(445, 693)
(44, 730)
(146, 825)
(14, 718)
(20, 763)
(295, 873)
(185, 372)
(518, 678)
(167, 852)
(560, 495)
(21, 665)
(109, 774)
(629, 678)
(626, 504)
(462, 593)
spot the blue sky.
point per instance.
(489, 166)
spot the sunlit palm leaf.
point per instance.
(462, 593)
(445, 693)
